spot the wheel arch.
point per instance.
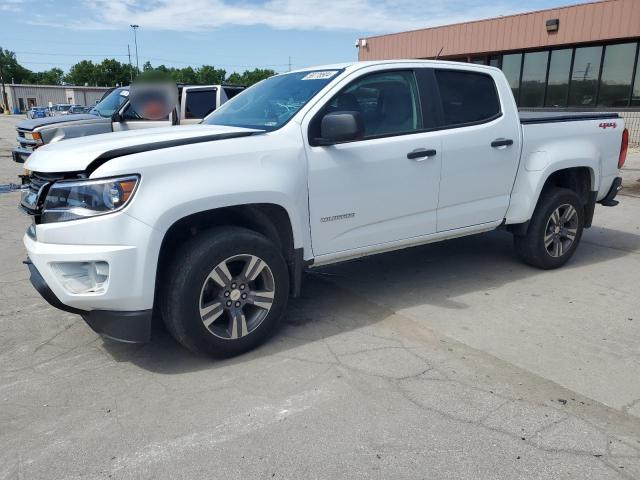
(580, 178)
(271, 220)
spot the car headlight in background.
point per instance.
(34, 136)
(72, 200)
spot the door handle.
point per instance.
(502, 142)
(420, 153)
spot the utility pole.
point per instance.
(4, 105)
(135, 39)
(130, 66)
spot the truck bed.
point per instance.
(553, 117)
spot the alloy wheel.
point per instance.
(561, 230)
(236, 296)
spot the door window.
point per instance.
(200, 103)
(467, 97)
(388, 103)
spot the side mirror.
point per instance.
(337, 127)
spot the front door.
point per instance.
(131, 120)
(383, 188)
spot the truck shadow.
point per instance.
(365, 292)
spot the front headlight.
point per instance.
(34, 136)
(72, 200)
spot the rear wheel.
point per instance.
(225, 291)
(554, 231)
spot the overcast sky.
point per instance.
(234, 35)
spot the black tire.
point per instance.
(186, 283)
(532, 248)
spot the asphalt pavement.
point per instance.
(451, 360)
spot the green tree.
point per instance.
(48, 77)
(209, 75)
(83, 72)
(249, 77)
(11, 70)
(111, 72)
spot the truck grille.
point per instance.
(23, 142)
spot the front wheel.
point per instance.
(225, 291)
(554, 231)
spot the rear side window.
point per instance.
(467, 97)
(200, 103)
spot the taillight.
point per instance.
(624, 146)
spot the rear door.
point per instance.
(384, 187)
(481, 148)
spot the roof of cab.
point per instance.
(358, 65)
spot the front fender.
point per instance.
(225, 173)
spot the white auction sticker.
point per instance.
(320, 75)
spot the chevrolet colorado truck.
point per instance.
(115, 113)
(211, 226)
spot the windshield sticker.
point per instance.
(320, 75)
(124, 93)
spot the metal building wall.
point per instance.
(54, 94)
(42, 94)
(604, 20)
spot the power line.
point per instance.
(73, 54)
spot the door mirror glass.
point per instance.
(339, 127)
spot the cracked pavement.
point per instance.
(450, 360)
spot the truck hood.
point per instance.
(78, 154)
(42, 122)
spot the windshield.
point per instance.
(270, 104)
(111, 103)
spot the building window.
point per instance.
(617, 74)
(479, 60)
(511, 65)
(534, 72)
(584, 78)
(558, 83)
(635, 96)
(495, 61)
(467, 97)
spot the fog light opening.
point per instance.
(82, 277)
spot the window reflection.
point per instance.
(533, 77)
(558, 84)
(635, 96)
(617, 71)
(584, 79)
(511, 68)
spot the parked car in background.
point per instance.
(38, 112)
(75, 109)
(211, 226)
(59, 109)
(115, 113)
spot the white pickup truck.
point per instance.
(211, 226)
